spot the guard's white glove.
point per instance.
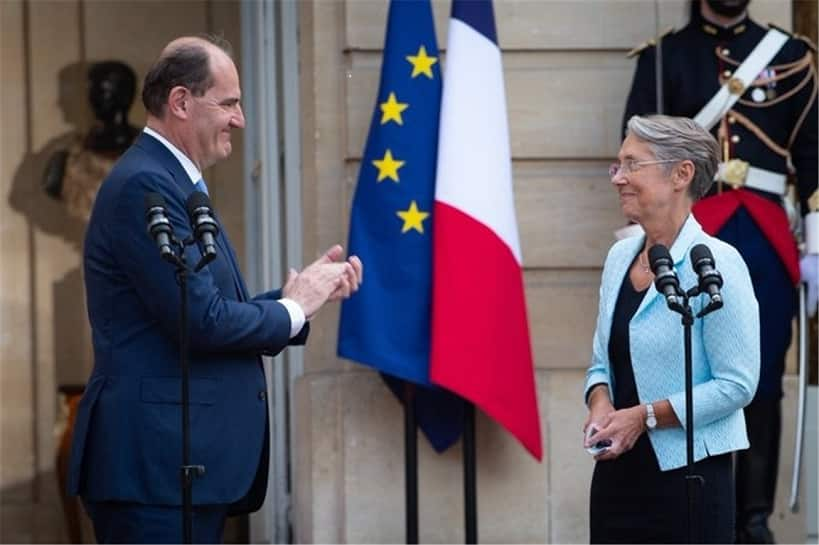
(809, 268)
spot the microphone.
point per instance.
(204, 226)
(710, 280)
(665, 279)
(159, 227)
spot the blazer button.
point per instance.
(262, 395)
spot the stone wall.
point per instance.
(566, 79)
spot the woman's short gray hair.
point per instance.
(679, 139)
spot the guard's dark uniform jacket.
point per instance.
(773, 126)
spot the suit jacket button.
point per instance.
(262, 395)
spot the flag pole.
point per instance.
(410, 462)
(470, 496)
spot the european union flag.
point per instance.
(387, 324)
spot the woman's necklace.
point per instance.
(642, 278)
(643, 261)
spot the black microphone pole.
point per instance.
(666, 282)
(187, 471)
(205, 230)
(709, 282)
(155, 213)
(694, 483)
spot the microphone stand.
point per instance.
(694, 483)
(187, 471)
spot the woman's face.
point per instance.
(645, 190)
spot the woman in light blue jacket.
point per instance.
(635, 384)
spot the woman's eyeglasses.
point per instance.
(632, 165)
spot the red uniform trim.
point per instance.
(714, 212)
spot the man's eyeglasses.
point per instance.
(632, 165)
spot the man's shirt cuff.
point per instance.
(296, 313)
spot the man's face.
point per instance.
(216, 113)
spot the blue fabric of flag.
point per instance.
(478, 14)
(386, 324)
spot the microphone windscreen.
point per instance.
(153, 199)
(197, 199)
(657, 253)
(700, 252)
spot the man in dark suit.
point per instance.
(126, 454)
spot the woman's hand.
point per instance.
(623, 428)
(600, 412)
(600, 409)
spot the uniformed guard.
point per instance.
(756, 88)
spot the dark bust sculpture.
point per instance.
(111, 90)
(74, 174)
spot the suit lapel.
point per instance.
(156, 149)
(240, 282)
(688, 234)
(227, 251)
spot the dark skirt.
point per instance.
(632, 501)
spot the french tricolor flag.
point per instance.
(480, 345)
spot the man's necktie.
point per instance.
(200, 186)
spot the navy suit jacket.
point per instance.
(127, 436)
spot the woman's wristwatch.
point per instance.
(651, 419)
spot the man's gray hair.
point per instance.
(679, 139)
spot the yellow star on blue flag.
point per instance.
(422, 63)
(391, 110)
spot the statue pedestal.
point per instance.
(77, 524)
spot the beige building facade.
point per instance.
(566, 79)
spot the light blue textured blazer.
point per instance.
(725, 348)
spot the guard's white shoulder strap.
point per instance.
(731, 90)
